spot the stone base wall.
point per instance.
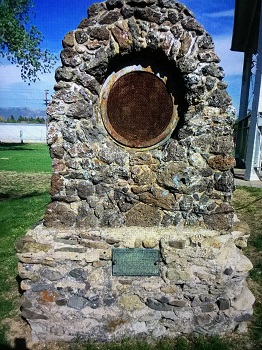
(70, 293)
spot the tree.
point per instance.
(20, 41)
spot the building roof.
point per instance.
(246, 26)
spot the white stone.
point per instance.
(149, 286)
(139, 327)
(245, 300)
(244, 265)
(196, 160)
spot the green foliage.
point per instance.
(20, 41)
(20, 119)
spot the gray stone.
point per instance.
(94, 302)
(150, 15)
(177, 244)
(192, 24)
(81, 36)
(157, 305)
(228, 271)
(95, 8)
(205, 42)
(109, 300)
(243, 318)
(223, 304)
(77, 302)
(178, 303)
(31, 315)
(214, 70)
(207, 307)
(78, 273)
(110, 17)
(41, 286)
(61, 302)
(99, 33)
(114, 3)
(52, 275)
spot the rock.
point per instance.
(177, 244)
(122, 37)
(223, 304)
(222, 163)
(150, 243)
(52, 275)
(157, 305)
(245, 300)
(110, 17)
(23, 245)
(207, 307)
(192, 24)
(81, 36)
(208, 56)
(143, 215)
(244, 265)
(177, 303)
(99, 33)
(77, 302)
(69, 40)
(130, 302)
(78, 273)
(30, 315)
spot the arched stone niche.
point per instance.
(185, 178)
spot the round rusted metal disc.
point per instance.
(139, 110)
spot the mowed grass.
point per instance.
(25, 172)
(248, 205)
(24, 194)
(24, 158)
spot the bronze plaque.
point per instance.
(135, 262)
(139, 110)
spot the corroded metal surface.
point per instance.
(139, 110)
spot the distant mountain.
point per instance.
(23, 112)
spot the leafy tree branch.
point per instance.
(20, 41)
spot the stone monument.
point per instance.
(140, 237)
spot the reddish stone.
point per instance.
(48, 297)
(143, 215)
(57, 183)
(222, 163)
(122, 37)
(68, 40)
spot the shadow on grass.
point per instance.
(11, 195)
(15, 147)
(20, 344)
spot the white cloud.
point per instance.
(227, 13)
(16, 93)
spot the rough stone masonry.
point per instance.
(174, 196)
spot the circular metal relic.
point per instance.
(138, 110)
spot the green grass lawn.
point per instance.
(25, 172)
(24, 158)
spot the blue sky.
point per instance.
(55, 18)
